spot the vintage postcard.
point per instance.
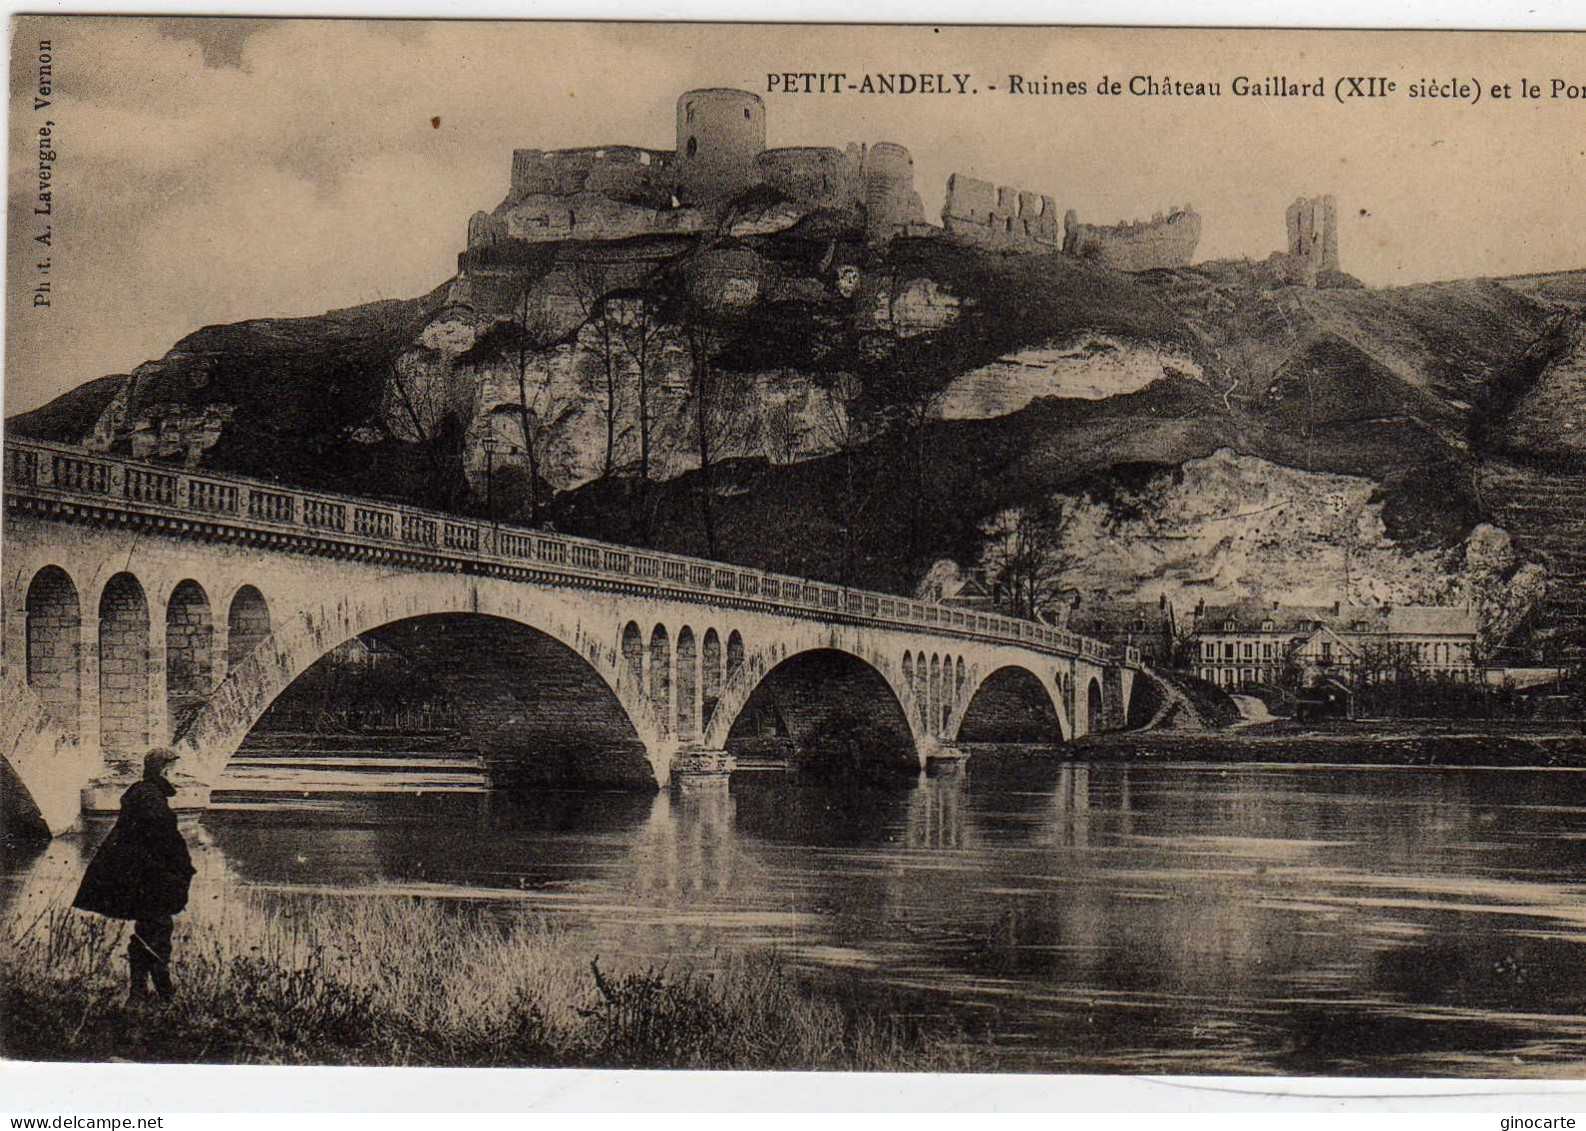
(886, 548)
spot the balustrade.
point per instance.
(419, 531)
(149, 487)
(217, 498)
(71, 473)
(324, 515)
(372, 524)
(270, 506)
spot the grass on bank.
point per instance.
(318, 979)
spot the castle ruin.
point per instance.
(995, 216)
(705, 184)
(1312, 255)
(1163, 241)
(621, 191)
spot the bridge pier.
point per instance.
(102, 795)
(695, 771)
(945, 758)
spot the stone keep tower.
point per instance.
(1313, 233)
(720, 132)
(890, 200)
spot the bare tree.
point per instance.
(914, 412)
(419, 409)
(782, 432)
(1024, 559)
(540, 412)
(603, 361)
(845, 421)
(1185, 642)
(722, 417)
(644, 336)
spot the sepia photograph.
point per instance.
(886, 548)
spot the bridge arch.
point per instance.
(1010, 704)
(54, 667)
(560, 639)
(247, 624)
(823, 694)
(1094, 706)
(687, 683)
(124, 672)
(710, 675)
(539, 711)
(189, 651)
(633, 654)
(661, 676)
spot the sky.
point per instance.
(216, 170)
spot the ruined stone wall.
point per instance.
(816, 176)
(621, 192)
(1163, 241)
(593, 216)
(486, 230)
(621, 172)
(985, 215)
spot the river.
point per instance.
(1142, 918)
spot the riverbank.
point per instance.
(1360, 742)
(293, 978)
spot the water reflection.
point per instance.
(1074, 917)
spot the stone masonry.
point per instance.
(578, 664)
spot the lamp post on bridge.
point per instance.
(489, 444)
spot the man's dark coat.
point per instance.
(142, 870)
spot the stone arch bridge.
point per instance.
(145, 605)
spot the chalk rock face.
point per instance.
(452, 334)
(159, 429)
(1231, 527)
(730, 277)
(1093, 368)
(918, 306)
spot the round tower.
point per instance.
(720, 132)
(889, 189)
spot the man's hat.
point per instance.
(159, 757)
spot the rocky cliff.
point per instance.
(869, 407)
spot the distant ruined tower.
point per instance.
(720, 132)
(891, 203)
(1313, 235)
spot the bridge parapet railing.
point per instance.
(93, 477)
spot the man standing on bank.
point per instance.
(141, 872)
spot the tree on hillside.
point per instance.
(644, 335)
(540, 411)
(848, 422)
(421, 411)
(602, 362)
(722, 410)
(1185, 642)
(1024, 558)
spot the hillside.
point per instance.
(1058, 378)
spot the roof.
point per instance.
(1393, 620)
(1122, 617)
(1431, 620)
(1249, 616)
